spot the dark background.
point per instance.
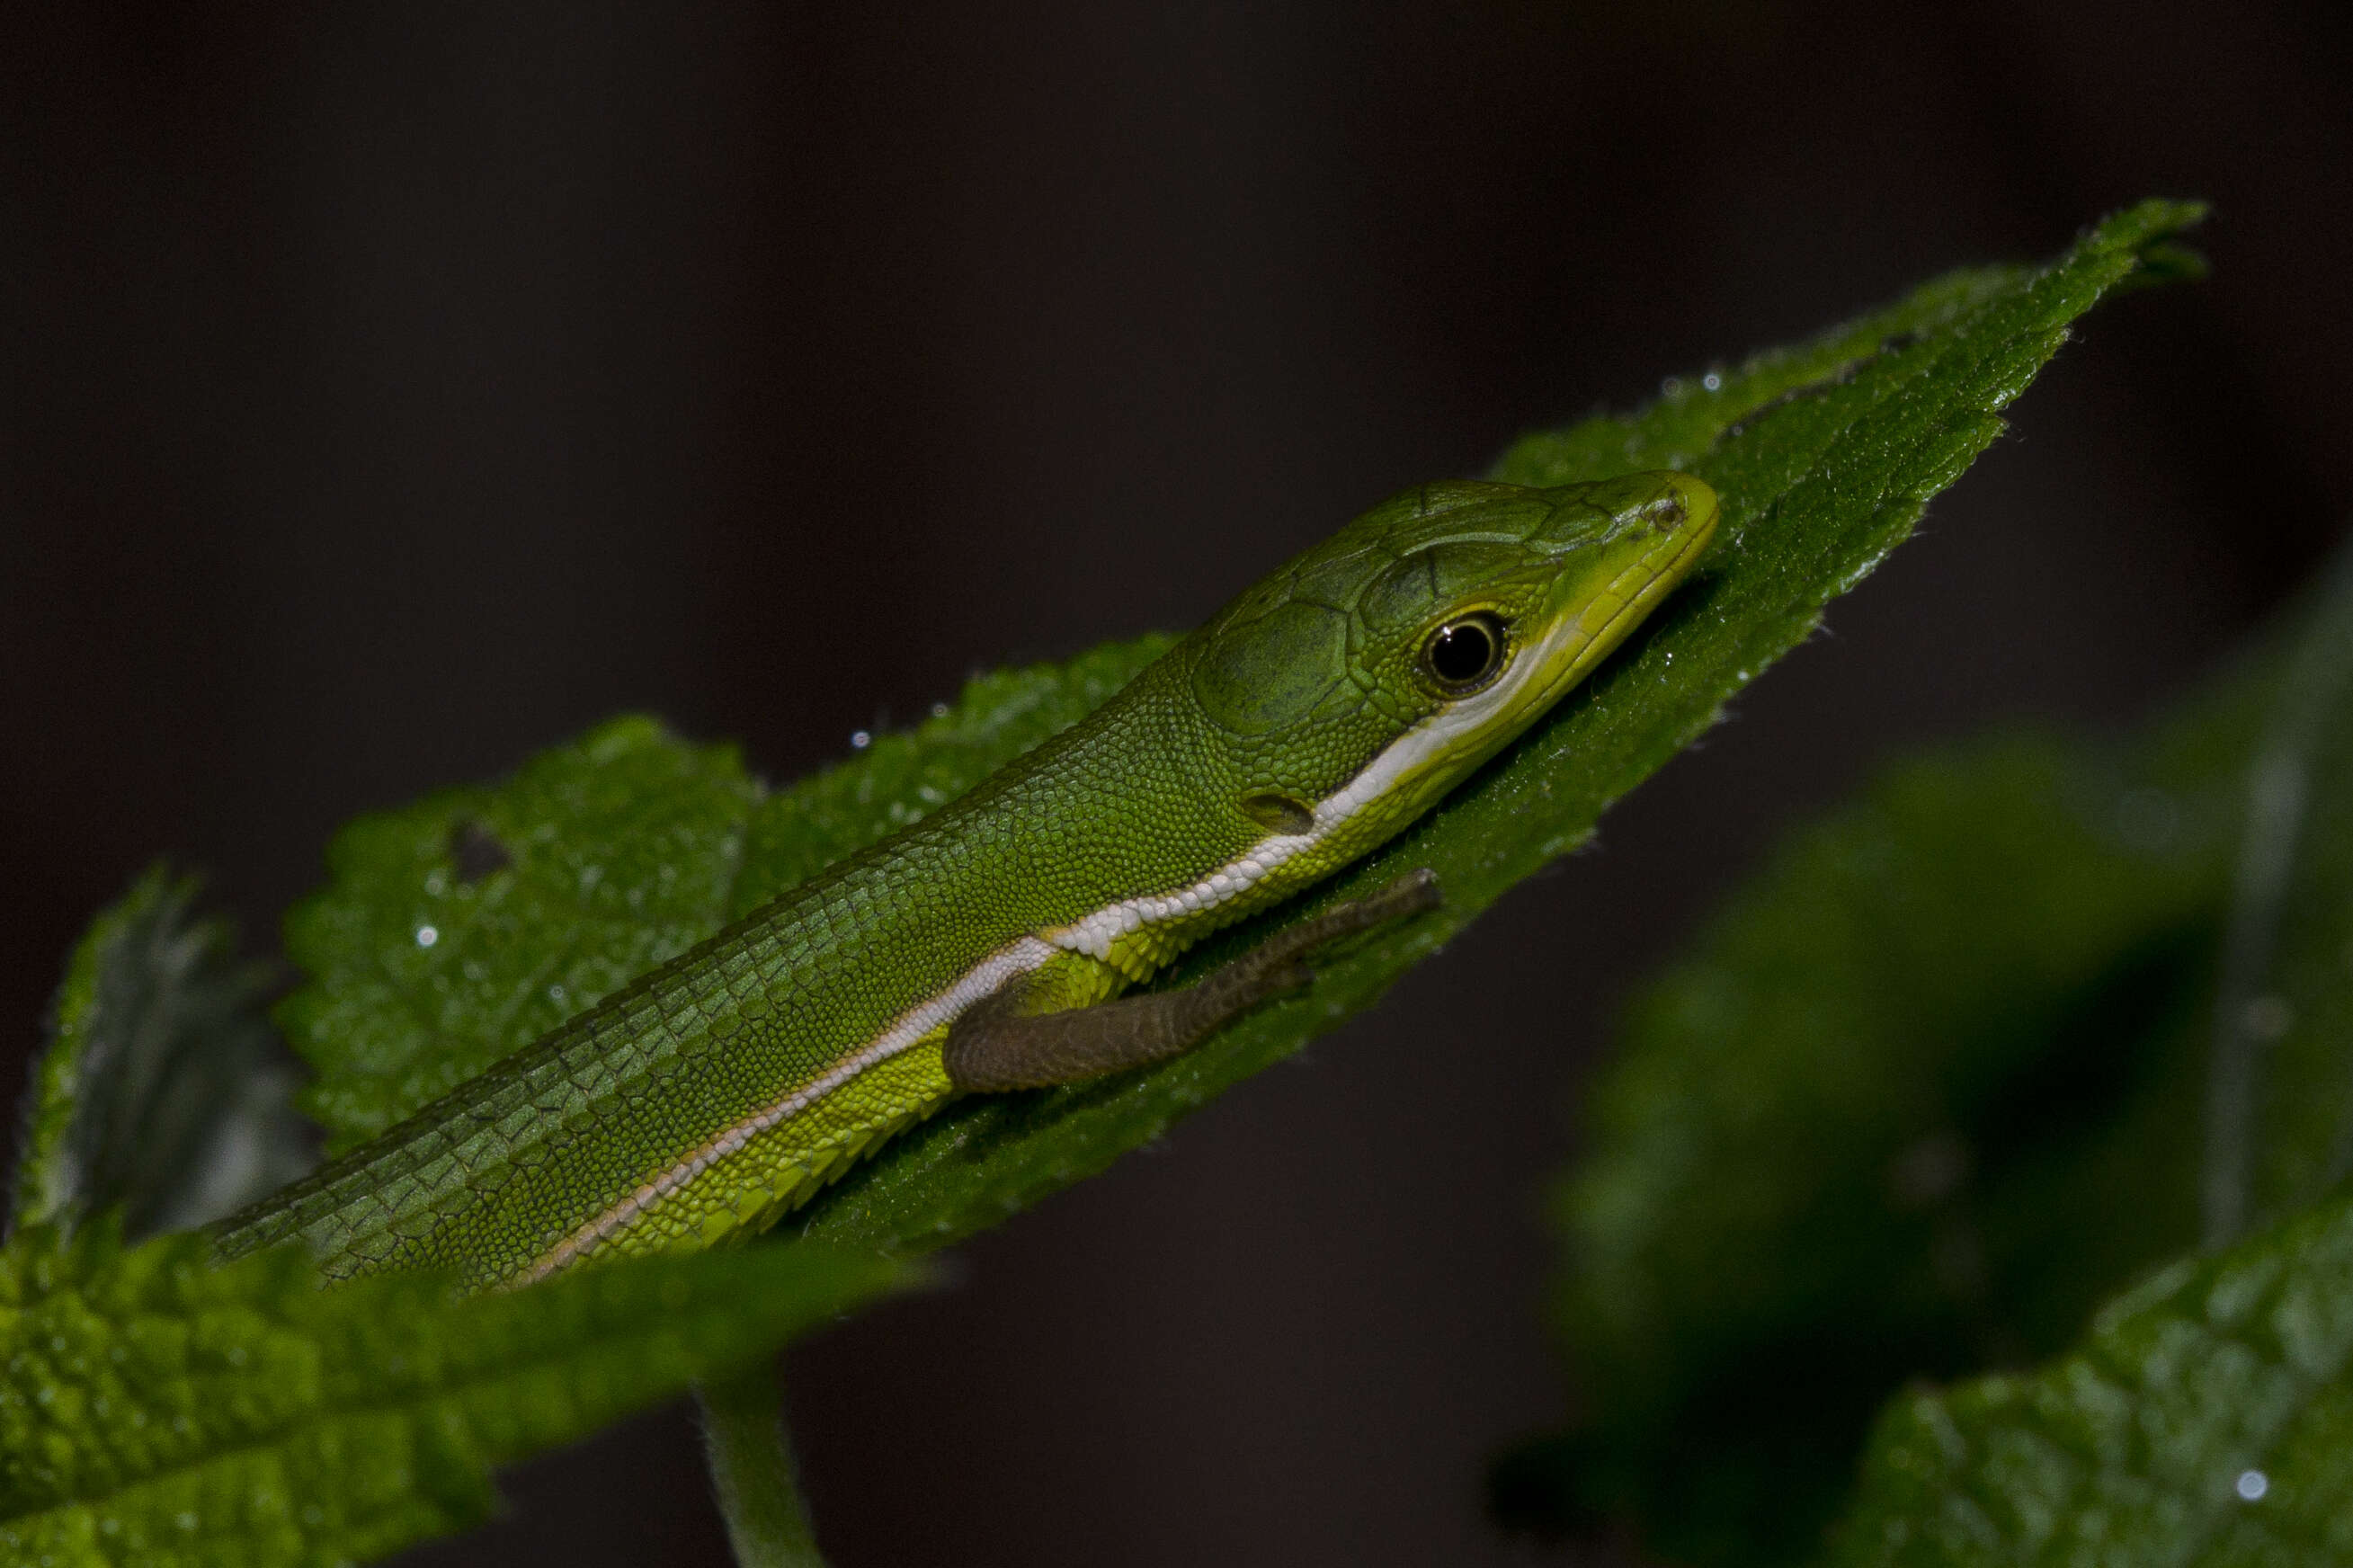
(387, 390)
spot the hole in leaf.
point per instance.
(476, 851)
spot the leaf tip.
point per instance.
(2149, 231)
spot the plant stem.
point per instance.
(752, 1469)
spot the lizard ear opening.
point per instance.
(1279, 811)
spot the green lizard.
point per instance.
(982, 948)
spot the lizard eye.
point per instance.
(1465, 653)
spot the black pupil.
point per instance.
(1463, 652)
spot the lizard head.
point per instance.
(1352, 689)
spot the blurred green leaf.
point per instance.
(156, 1410)
(2208, 1419)
(1941, 1079)
(1824, 456)
(2279, 1126)
(164, 1092)
(1925, 1092)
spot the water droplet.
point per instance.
(859, 740)
(2252, 1485)
(1711, 381)
(427, 935)
(556, 993)
(1671, 388)
(939, 710)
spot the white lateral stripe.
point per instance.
(1017, 957)
(1096, 932)
(1093, 934)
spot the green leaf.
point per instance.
(1824, 456)
(1942, 1079)
(157, 1410)
(472, 923)
(2208, 1419)
(464, 927)
(2280, 1118)
(1925, 1092)
(164, 1092)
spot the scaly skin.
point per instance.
(1299, 729)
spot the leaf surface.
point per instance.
(2207, 1419)
(1923, 1094)
(158, 1411)
(1952, 1071)
(2280, 1116)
